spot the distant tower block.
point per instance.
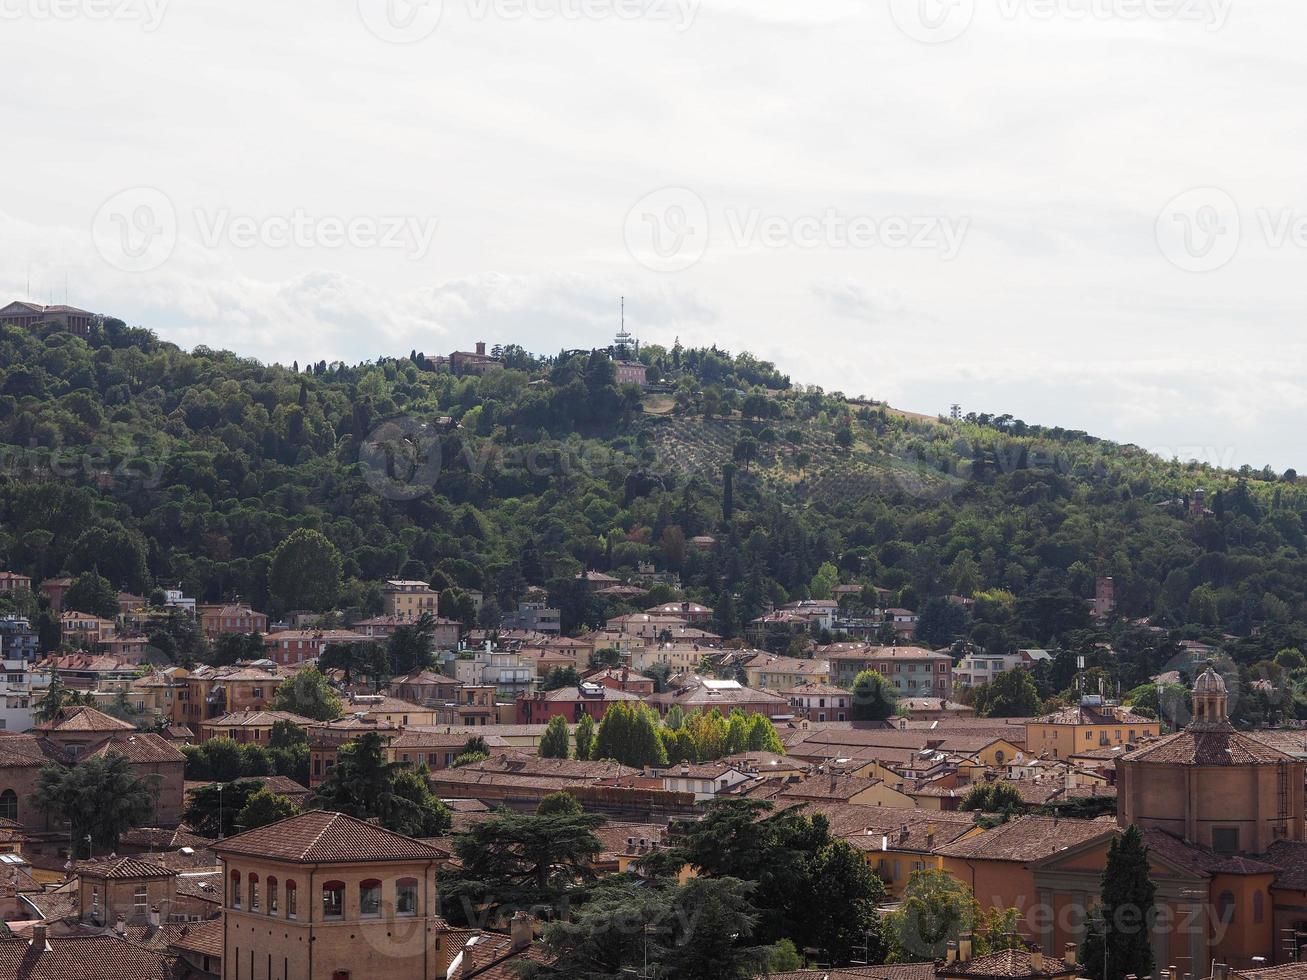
(955, 411)
(1104, 597)
(1198, 503)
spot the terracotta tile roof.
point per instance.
(257, 719)
(888, 971)
(490, 956)
(103, 957)
(1285, 971)
(832, 786)
(206, 886)
(1007, 963)
(120, 868)
(204, 938)
(321, 836)
(1291, 857)
(1087, 715)
(144, 747)
(1028, 839)
(20, 751)
(1199, 860)
(1220, 747)
(855, 652)
(83, 719)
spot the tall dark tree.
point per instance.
(873, 697)
(1118, 940)
(365, 785)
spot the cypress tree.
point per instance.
(1118, 940)
(556, 743)
(585, 737)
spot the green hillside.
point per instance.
(152, 465)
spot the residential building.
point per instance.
(536, 617)
(478, 362)
(705, 780)
(324, 896)
(691, 612)
(510, 673)
(232, 618)
(18, 639)
(292, 647)
(424, 687)
(1094, 723)
(820, 702)
(695, 693)
(84, 629)
(106, 956)
(17, 699)
(407, 600)
(630, 373)
(125, 888)
(211, 692)
(54, 590)
(389, 710)
(249, 726)
(981, 668)
(914, 671)
(444, 633)
(11, 582)
(779, 673)
(570, 703)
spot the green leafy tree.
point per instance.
(57, 697)
(874, 697)
(230, 648)
(308, 695)
(305, 571)
(1000, 798)
(1012, 694)
(557, 804)
(365, 785)
(515, 861)
(560, 677)
(585, 737)
(936, 909)
(410, 647)
(763, 736)
(263, 808)
(92, 593)
(468, 759)
(839, 917)
(1118, 940)
(212, 809)
(823, 583)
(556, 743)
(99, 798)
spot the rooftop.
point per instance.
(321, 836)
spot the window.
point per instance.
(254, 893)
(406, 896)
(141, 900)
(1225, 908)
(1259, 906)
(1089, 736)
(272, 896)
(333, 900)
(9, 805)
(235, 889)
(95, 900)
(1225, 840)
(370, 897)
(290, 900)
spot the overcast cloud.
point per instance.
(1089, 213)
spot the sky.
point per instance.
(1087, 213)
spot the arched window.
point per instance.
(406, 896)
(1225, 907)
(272, 895)
(370, 897)
(235, 889)
(9, 805)
(292, 908)
(333, 900)
(1259, 906)
(254, 893)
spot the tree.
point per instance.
(840, 918)
(99, 798)
(305, 572)
(998, 798)
(212, 810)
(763, 737)
(1118, 940)
(219, 759)
(410, 646)
(940, 622)
(230, 648)
(629, 735)
(936, 909)
(515, 861)
(873, 697)
(263, 808)
(823, 583)
(57, 696)
(585, 737)
(365, 658)
(560, 677)
(309, 695)
(1012, 694)
(557, 804)
(92, 593)
(364, 785)
(556, 743)
(715, 919)
(468, 759)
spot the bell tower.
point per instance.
(1211, 703)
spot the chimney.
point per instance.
(1037, 960)
(952, 955)
(154, 917)
(481, 348)
(1069, 954)
(38, 936)
(522, 930)
(964, 948)
(120, 926)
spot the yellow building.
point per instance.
(323, 896)
(1090, 724)
(409, 600)
(783, 673)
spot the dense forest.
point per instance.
(125, 455)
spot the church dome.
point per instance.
(1209, 682)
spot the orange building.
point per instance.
(1091, 724)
